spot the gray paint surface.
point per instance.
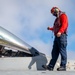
(30, 63)
(37, 73)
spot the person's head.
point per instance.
(55, 11)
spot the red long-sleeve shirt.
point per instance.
(60, 24)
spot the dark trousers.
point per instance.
(59, 47)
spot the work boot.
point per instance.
(46, 67)
(61, 69)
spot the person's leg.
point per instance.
(55, 54)
(62, 46)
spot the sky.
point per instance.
(29, 19)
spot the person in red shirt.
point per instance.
(60, 41)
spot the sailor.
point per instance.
(60, 41)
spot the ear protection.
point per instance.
(55, 10)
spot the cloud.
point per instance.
(42, 46)
(28, 19)
(71, 55)
(71, 39)
(7, 16)
(27, 15)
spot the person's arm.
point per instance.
(64, 23)
(50, 28)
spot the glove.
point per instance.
(48, 28)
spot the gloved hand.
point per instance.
(48, 28)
